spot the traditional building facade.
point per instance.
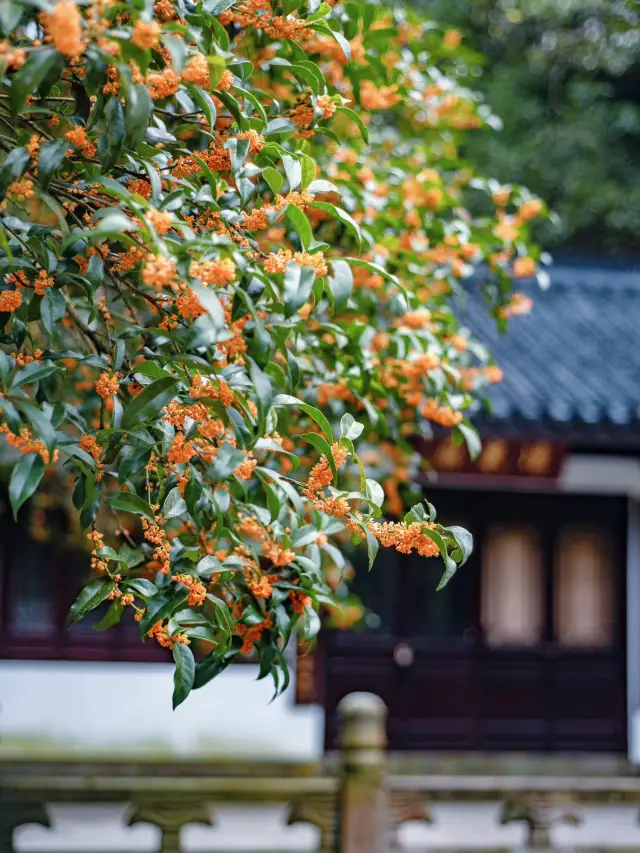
(533, 647)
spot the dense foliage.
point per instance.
(230, 235)
(564, 77)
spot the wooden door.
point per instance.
(523, 651)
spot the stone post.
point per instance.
(363, 808)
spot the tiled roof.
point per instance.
(575, 359)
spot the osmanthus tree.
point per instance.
(230, 232)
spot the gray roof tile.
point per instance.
(576, 357)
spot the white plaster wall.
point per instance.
(125, 709)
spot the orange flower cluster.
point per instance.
(97, 540)
(146, 34)
(12, 57)
(188, 305)
(107, 385)
(181, 450)
(335, 391)
(41, 282)
(218, 272)
(524, 267)
(25, 443)
(89, 444)
(519, 303)
(10, 300)
(259, 585)
(443, 415)
(250, 634)
(257, 13)
(164, 9)
(277, 262)
(197, 590)
(156, 535)
(197, 71)
(159, 272)
(202, 386)
(63, 26)
(78, 137)
(21, 190)
(378, 98)
(159, 633)
(161, 220)
(278, 555)
(420, 319)
(320, 477)
(244, 471)
(405, 538)
(256, 140)
(299, 601)
(162, 84)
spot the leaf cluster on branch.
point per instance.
(229, 238)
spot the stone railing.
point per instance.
(356, 803)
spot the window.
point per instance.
(511, 600)
(583, 594)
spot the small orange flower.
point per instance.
(146, 34)
(64, 27)
(107, 385)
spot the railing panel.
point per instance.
(354, 805)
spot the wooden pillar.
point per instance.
(633, 631)
(363, 810)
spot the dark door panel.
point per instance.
(446, 686)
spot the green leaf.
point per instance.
(177, 48)
(95, 271)
(185, 673)
(324, 447)
(210, 666)
(138, 109)
(298, 284)
(301, 225)
(163, 605)
(5, 366)
(111, 140)
(30, 76)
(10, 15)
(227, 460)
(293, 171)
(310, 624)
(342, 216)
(145, 406)
(273, 178)
(25, 479)
(52, 309)
(340, 284)
(464, 541)
(355, 117)
(130, 502)
(372, 546)
(174, 505)
(41, 423)
(308, 170)
(314, 414)
(15, 163)
(350, 427)
(208, 566)
(33, 373)
(141, 587)
(91, 596)
(111, 617)
(472, 439)
(52, 154)
(374, 492)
